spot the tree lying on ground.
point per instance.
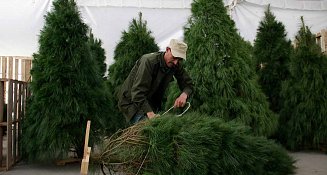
(192, 144)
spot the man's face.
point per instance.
(171, 61)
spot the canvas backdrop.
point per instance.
(22, 20)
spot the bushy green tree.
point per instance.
(219, 63)
(272, 51)
(134, 43)
(194, 144)
(67, 89)
(303, 114)
(98, 53)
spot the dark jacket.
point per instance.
(145, 86)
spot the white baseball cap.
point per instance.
(178, 48)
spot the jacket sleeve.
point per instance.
(184, 81)
(141, 86)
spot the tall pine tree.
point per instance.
(303, 115)
(67, 89)
(272, 51)
(218, 61)
(98, 53)
(134, 43)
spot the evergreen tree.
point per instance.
(134, 43)
(98, 53)
(303, 115)
(218, 61)
(272, 51)
(66, 88)
(193, 144)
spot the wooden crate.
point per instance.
(16, 68)
(321, 39)
(11, 120)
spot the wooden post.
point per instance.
(86, 141)
(9, 124)
(23, 70)
(19, 114)
(324, 40)
(28, 65)
(16, 69)
(4, 67)
(87, 151)
(2, 102)
(15, 121)
(85, 162)
(4, 74)
(10, 68)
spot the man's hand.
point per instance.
(181, 100)
(151, 114)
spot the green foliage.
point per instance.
(67, 89)
(134, 43)
(303, 116)
(98, 53)
(197, 144)
(219, 62)
(272, 50)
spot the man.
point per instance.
(141, 94)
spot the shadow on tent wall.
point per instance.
(14, 78)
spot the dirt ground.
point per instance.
(307, 163)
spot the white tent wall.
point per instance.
(248, 14)
(20, 25)
(108, 22)
(22, 20)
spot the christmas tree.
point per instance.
(98, 53)
(303, 114)
(272, 51)
(134, 43)
(219, 62)
(193, 144)
(67, 89)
